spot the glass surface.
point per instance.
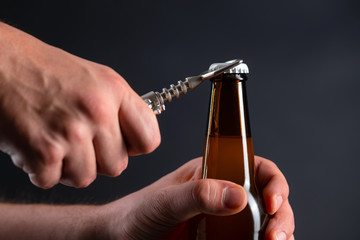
(229, 155)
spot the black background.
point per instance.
(303, 90)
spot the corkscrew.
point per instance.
(156, 100)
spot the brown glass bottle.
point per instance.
(229, 155)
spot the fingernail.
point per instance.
(232, 197)
(278, 202)
(281, 236)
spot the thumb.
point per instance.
(176, 204)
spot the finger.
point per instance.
(79, 166)
(110, 149)
(272, 183)
(109, 144)
(178, 203)
(138, 124)
(45, 176)
(38, 154)
(17, 160)
(190, 171)
(44, 169)
(281, 225)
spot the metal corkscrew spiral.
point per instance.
(175, 91)
(156, 100)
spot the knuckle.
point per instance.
(79, 178)
(205, 193)
(111, 74)
(78, 182)
(112, 77)
(42, 182)
(88, 178)
(116, 169)
(107, 71)
(84, 182)
(100, 108)
(98, 103)
(77, 132)
(50, 154)
(18, 161)
(150, 145)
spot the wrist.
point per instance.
(110, 221)
(91, 223)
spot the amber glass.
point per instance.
(229, 155)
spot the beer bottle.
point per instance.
(228, 155)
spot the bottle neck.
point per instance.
(228, 152)
(228, 114)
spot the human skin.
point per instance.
(159, 211)
(65, 119)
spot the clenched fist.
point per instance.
(65, 119)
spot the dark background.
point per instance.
(303, 90)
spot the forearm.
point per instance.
(6, 51)
(38, 221)
(19, 53)
(12, 46)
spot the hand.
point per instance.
(65, 119)
(160, 211)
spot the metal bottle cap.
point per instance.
(240, 68)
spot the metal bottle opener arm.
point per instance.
(156, 100)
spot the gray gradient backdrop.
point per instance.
(303, 90)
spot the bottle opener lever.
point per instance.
(156, 100)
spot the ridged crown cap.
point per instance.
(241, 68)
